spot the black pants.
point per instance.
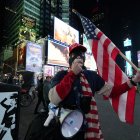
(40, 99)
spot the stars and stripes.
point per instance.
(105, 52)
(94, 130)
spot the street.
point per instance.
(112, 128)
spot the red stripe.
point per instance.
(84, 84)
(105, 60)
(86, 93)
(130, 105)
(117, 81)
(94, 112)
(95, 46)
(96, 130)
(114, 53)
(95, 49)
(92, 120)
(93, 103)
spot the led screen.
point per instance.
(57, 53)
(48, 70)
(138, 54)
(65, 33)
(33, 57)
(59, 68)
(128, 66)
(21, 55)
(127, 42)
(90, 62)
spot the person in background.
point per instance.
(40, 95)
(75, 88)
(46, 88)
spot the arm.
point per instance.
(62, 88)
(115, 91)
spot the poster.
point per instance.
(21, 55)
(33, 57)
(8, 115)
(48, 70)
(58, 54)
(65, 33)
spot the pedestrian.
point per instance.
(46, 87)
(40, 96)
(71, 88)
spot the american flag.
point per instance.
(105, 52)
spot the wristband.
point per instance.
(133, 83)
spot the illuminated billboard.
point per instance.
(90, 61)
(65, 33)
(138, 55)
(33, 57)
(48, 70)
(27, 30)
(127, 42)
(128, 68)
(57, 54)
(21, 55)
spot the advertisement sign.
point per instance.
(59, 68)
(90, 61)
(27, 29)
(21, 55)
(129, 70)
(65, 33)
(127, 42)
(138, 54)
(33, 57)
(48, 70)
(8, 115)
(57, 54)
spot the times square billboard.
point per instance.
(27, 30)
(34, 54)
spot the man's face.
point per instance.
(48, 79)
(77, 54)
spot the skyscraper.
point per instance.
(11, 19)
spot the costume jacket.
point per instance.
(66, 85)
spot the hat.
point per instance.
(76, 46)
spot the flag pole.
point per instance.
(124, 57)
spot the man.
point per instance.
(40, 96)
(46, 88)
(75, 89)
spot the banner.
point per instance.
(33, 57)
(9, 112)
